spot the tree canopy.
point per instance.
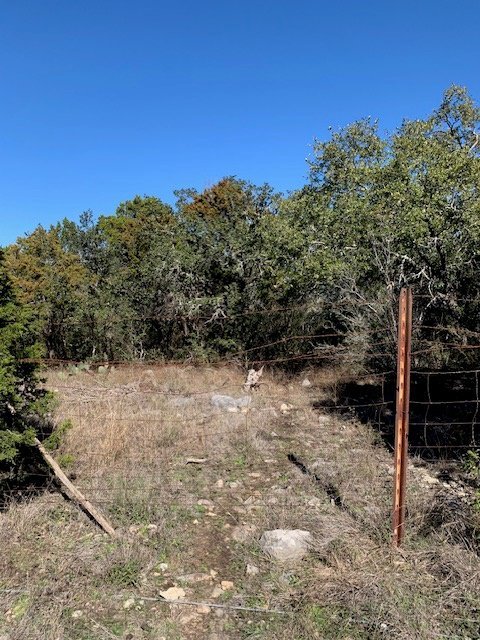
(202, 279)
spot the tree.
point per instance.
(20, 399)
(403, 211)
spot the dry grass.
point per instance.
(133, 431)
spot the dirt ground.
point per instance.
(195, 526)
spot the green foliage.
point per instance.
(56, 437)
(192, 281)
(471, 464)
(20, 400)
(124, 574)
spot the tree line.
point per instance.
(238, 266)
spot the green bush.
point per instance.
(22, 403)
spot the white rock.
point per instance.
(306, 383)
(128, 604)
(174, 593)
(286, 544)
(77, 613)
(252, 570)
(219, 484)
(226, 585)
(285, 407)
(217, 592)
(203, 609)
(227, 402)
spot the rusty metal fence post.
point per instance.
(402, 415)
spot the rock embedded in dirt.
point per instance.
(128, 604)
(252, 570)
(286, 544)
(306, 383)
(203, 609)
(174, 593)
(228, 402)
(226, 585)
(217, 592)
(242, 532)
(193, 578)
(285, 408)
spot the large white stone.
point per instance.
(286, 544)
(227, 402)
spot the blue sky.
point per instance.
(101, 100)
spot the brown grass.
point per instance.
(133, 431)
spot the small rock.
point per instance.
(78, 614)
(226, 585)
(206, 503)
(203, 609)
(189, 618)
(255, 475)
(233, 485)
(174, 593)
(193, 578)
(252, 570)
(128, 604)
(241, 533)
(219, 484)
(286, 544)
(285, 408)
(213, 573)
(306, 383)
(163, 566)
(217, 591)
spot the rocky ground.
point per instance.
(255, 516)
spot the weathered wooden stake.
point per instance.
(402, 415)
(74, 493)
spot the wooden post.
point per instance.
(74, 493)
(402, 415)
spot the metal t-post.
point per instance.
(402, 415)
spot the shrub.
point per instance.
(22, 403)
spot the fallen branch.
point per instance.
(74, 493)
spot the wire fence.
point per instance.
(441, 400)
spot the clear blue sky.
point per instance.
(104, 99)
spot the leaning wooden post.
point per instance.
(74, 493)
(402, 415)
